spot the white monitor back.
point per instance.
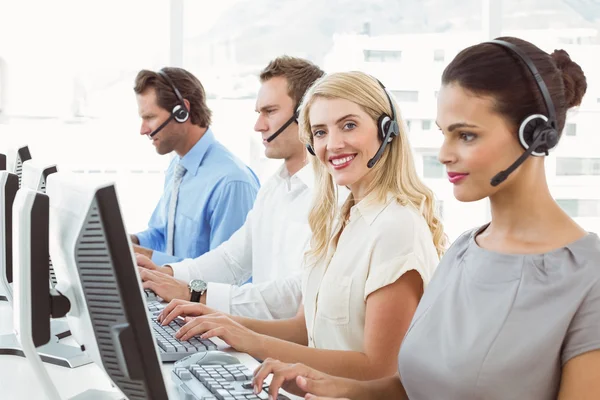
(35, 173)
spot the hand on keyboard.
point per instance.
(299, 379)
(172, 349)
(182, 308)
(217, 325)
(222, 382)
(164, 285)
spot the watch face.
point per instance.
(197, 285)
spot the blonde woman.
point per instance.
(367, 266)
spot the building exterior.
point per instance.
(411, 67)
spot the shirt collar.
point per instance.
(193, 159)
(369, 208)
(305, 175)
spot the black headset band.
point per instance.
(389, 99)
(175, 90)
(536, 75)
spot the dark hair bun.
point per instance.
(573, 78)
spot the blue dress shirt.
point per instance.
(216, 193)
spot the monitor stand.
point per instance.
(53, 352)
(59, 328)
(93, 394)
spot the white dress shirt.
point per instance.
(270, 247)
(380, 243)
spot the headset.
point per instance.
(538, 133)
(180, 113)
(387, 129)
(293, 118)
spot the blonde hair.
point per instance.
(394, 173)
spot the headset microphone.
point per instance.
(294, 118)
(154, 132)
(501, 176)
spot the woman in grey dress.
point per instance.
(513, 310)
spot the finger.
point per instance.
(182, 309)
(193, 328)
(263, 371)
(316, 387)
(149, 285)
(219, 332)
(143, 273)
(141, 260)
(196, 322)
(169, 307)
(278, 379)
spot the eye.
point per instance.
(349, 125)
(318, 133)
(467, 137)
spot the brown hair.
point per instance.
(188, 85)
(489, 69)
(299, 73)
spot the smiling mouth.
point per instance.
(342, 162)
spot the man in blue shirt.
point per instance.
(208, 191)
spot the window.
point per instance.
(570, 129)
(439, 55)
(411, 96)
(580, 207)
(571, 166)
(432, 168)
(3, 81)
(382, 55)
(426, 124)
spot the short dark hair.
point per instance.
(489, 69)
(188, 85)
(299, 73)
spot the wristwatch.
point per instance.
(197, 288)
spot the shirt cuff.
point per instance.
(143, 239)
(218, 297)
(160, 258)
(181, 270)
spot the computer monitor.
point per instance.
(54, 353)
(34, 177)
(15, 159)
(9, 185)
(2, 162)
(96, 270)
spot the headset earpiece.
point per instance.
(180, 114)
(310, 149)
(531, 128)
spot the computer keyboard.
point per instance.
(171, 349)
(228, 381)
(154, 302)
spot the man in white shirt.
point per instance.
(270, 245)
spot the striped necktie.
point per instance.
(177, 178)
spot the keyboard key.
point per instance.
(183, 374)
(222, 393)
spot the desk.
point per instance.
(18, 383)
